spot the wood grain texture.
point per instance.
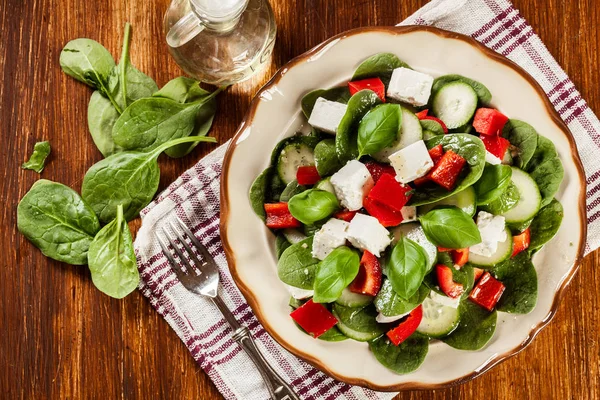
(63, 339)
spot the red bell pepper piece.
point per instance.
(279, 216)
(489, 121)
(521, 242)
(446, 283)
(439, 121)
(477, 272)
(496, 145)
(487, 292)
(345, 215)
(307, 175)
(422, 114)
(377, 170)
(374, 84)
(460, 256)
(444, 249)
(368, 280)
(391, 193)
(385, 215)
(407, 327)
(446, 172)
(314, 318)
(436, 153)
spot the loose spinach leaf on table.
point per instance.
(313, 205)
(493, 183)
(129, 179)
(37, 161)
(475, 329)
(359, 319)
(102, 116)
(406, 267)
(379, 129)
(111, 259)
(292, 189)
(504, 202)
(520, 279)
(380, 65)
(524, 138)
(545, 224)
(340, 94)
(483, 94)
(334, 273)
(326, 159)
(390, 304)
(404, 358)
(57, 221)
(296, 266)
(450, 228)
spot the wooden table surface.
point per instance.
(63, 339)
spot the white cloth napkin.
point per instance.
(194, 197)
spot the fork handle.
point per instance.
(276, 385)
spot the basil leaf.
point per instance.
(506, 201)
(334, 273)
(112, 260)
(451, 228)
(404, 358)
(475, 328)
(296, 266)
(292, 189)
(390, 304)
(379, 66)
(545, 224)
(520, 279)
(326, 159)
(346, 138)
(493, 183)
(57, 221)
(340, 94)
(379, 129)
(313, 205)
(483, 93)
(37, 161)
(407, 267)
(524, 138)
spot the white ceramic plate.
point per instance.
(275, 113)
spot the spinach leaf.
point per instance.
(333, 335)
(258, 192)
(296, 266)
(379, 66)
(407, 267)
(340, 94)
(451, 228)
(504, 202)
(524, 138)
(112, 260)
(57, 221)
(128, 178)
(379, 129)
(404, 358)
(483, 94)
(465, 275)
(520, 279)
(548, 176)
(545, 150)
(475, 328)
(334, 273)
(346, 138)
(390, 304)
(313, 205)
(37, 161)
(326, 159)
(493, 183)
(545, 224)
(281, 244)
(431, 128)
(359, 319)
(471, 148)
(102, 116)
(292, 189)
(275, 188)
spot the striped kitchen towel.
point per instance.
(194, 197)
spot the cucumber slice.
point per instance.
(292, 156)
(508, 158)
(414, 232)
(503, 252)
(438, 320)
(530, 201)
(410, 132)
(351, 299)
(358, 323)
(293, 235)
(465, 200)
(325, 184)
(455, 104)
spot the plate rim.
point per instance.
(247, 292)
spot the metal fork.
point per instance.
(203, 280)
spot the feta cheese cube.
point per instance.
(444, 300)
(411, 162)
(329, 237)
(492, 159)
(366, 233)
(410, 86)
(352, 183)
(299, 294)
(409, 214)
(492, 230)
(326, 115)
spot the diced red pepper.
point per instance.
(443, 249)
(368, 280)
(521, 242)
(407, 327)
(489, 121)
(391, 193)
(496, 145)
(307, 175)
(279, 216)
(345, 215)
(446, 172)
(439, 121)
(422, 114)
(436, 153)
(477, 272)
(314, 318)
(385, 215)
(377, 170)
(487, 292)
(446, 283)
(374, 84)
(460, 256)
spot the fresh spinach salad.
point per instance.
(132, 123)
(409, 213)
